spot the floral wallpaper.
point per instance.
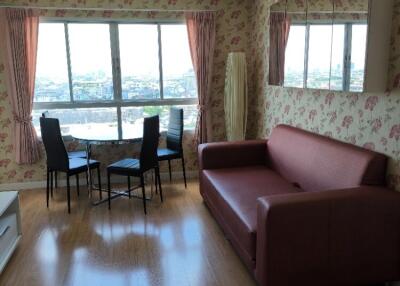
(259, 66)
(321, 5)
(371, 121)
(368, 120)
(231, 35)
(324, 17)
(394, 68)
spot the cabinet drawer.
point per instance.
(8, 233)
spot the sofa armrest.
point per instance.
(232, 154)
(346, 237)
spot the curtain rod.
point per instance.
(107, 9)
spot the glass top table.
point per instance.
(104, 138)
(100, 138)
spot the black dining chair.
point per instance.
(174, 148)
(71, 155)
(147, 160)
(57, 157)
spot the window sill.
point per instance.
(68, 138)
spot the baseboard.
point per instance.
(62, 182)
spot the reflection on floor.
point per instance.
(177, 243)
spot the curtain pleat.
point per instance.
(19, 30)
(279, 35)
(201, 34)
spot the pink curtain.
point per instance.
(279, 34)
(20, 37)
(201, 34)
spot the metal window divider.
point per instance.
(160, 62)
(116, 73)
(69, 67)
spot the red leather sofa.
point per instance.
(303, 209)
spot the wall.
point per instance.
(258, 44)
(321, 5)
(231, 35)
(368, 120)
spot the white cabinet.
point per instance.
(10, 226)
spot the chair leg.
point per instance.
(68, 195)
(55, 179)
(184, 171)
(51, 183)
(155, 181)
(129, 186)
(143, 193)
(90, 177)
(159, 182)
(99, 179)
(109, 189)
(47, 187)
(169, 168)
(77, 184)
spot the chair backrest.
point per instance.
(175, 129)
(46, 114)
(151, 134)
(57, 156)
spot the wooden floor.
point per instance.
(177, 243)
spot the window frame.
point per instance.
(117, 102)
(348, 28)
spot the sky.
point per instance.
(320, 47)
(90, 50)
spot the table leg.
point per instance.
(89, 175)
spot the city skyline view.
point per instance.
(326, 47)
(89, 75)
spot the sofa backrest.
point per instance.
(317, 163)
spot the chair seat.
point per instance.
(78, 165)
(125, 166)
(165, 154)
(77, 154)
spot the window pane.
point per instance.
(337, 57)
(51, 69)
(91, 61)
(178, 74)
(294, 59)
(140, 74)
(319, 56)
(358, 50)
(132, 118)
(83, 122)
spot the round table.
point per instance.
(98, 139)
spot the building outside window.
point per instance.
(323, 56)
(106, 77)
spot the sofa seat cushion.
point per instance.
(234, 192)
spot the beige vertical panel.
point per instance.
(378, 47)
(236, 96)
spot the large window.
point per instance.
(326, 56)
(105, 77)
